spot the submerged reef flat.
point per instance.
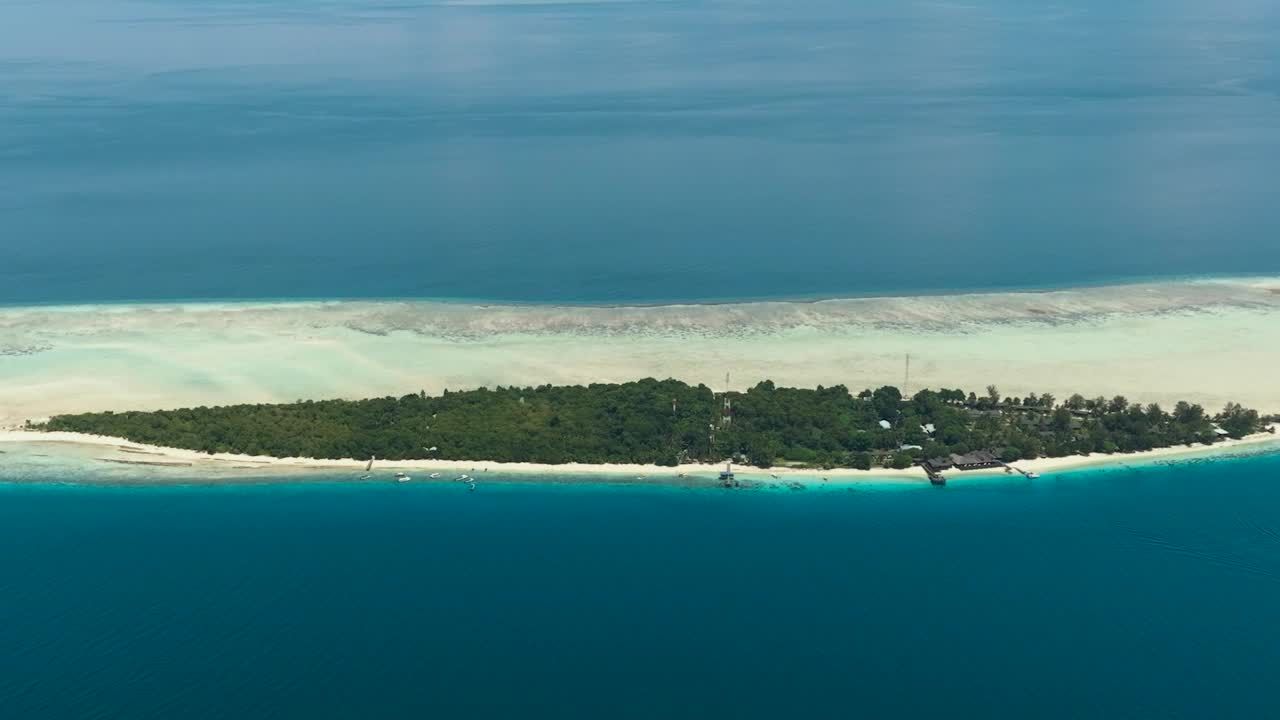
(1206, 341)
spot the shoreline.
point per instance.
(213, 303)
(150, 457)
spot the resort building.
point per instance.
(977, 460)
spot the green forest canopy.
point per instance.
(667, 422)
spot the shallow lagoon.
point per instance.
(1206, 341)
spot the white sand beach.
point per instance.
(1207, 341)
(99, 449)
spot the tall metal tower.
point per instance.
(726, 416)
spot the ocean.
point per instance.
(617, 152)
(629, 151)
(1141, 592)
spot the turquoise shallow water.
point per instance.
(1120, 593)
(630, 150)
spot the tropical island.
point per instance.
(669, 423)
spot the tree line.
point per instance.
(667, 422)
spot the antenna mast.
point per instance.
(728, 404)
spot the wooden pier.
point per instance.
(726, 476)
(935, 477)
(1025, 473)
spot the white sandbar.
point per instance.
(1207, 341)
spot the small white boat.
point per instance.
(464, 477)
(1032, 475)
(401, 477)
(773, 475)
(435, 475)
(366, 476)
(472, 487)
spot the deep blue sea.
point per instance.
(637, 151)
(630, 150)
(1129, 593)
